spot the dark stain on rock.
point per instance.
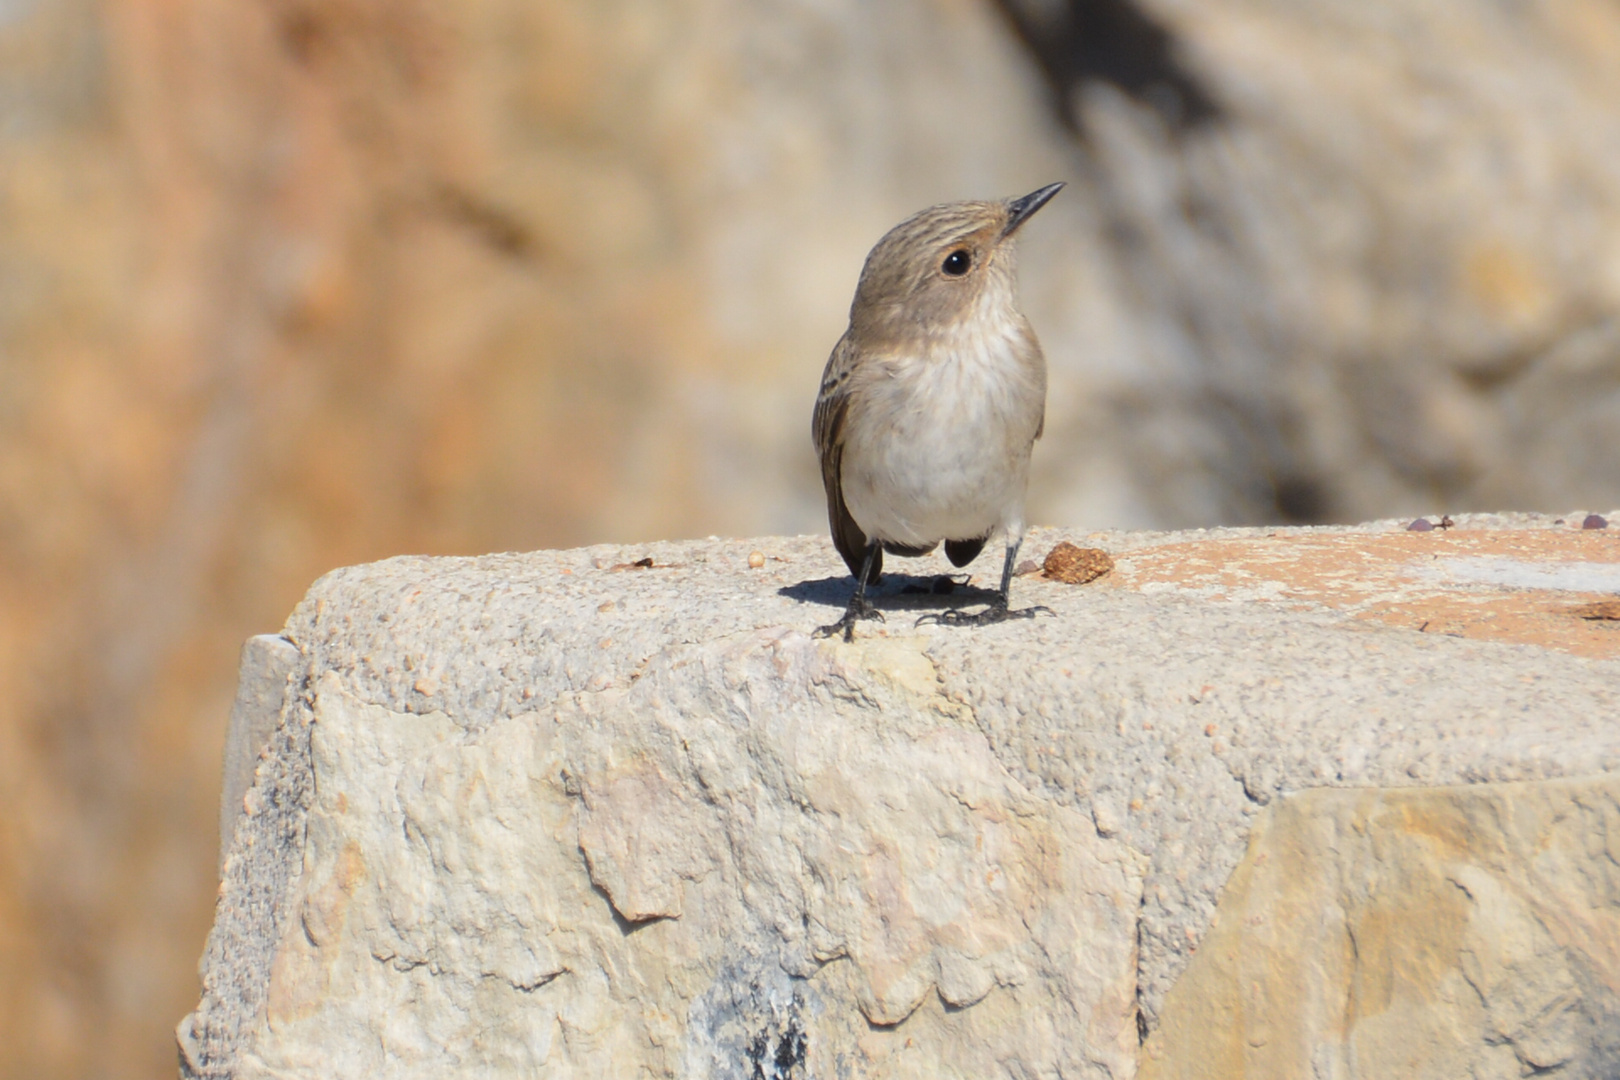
(778, 1052)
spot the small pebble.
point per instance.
(756, 559)
(1074, 565)
(1594, 521)
(1421, 525)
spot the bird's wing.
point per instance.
(828, 422)
(827, 428)
(1035, 362)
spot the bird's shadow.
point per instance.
(895, 592)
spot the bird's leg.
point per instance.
(1000, 608)
(859, 606)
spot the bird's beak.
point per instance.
(1021, 210)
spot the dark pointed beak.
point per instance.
(1021, 210)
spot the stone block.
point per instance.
(613, 812)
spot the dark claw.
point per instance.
(857, 611)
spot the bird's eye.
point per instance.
(956, 263)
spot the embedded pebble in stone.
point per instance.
(1074, 565)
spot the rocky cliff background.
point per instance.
(287, 285)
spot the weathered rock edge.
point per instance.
(1131, 741)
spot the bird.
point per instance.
(932, 401)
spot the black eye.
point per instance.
(956, 263)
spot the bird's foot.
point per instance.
(998, 611)
(859, 608)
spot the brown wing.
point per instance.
(827, 428)
(1034, 362)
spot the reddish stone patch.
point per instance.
(1400, 578)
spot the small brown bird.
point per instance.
(932, 401)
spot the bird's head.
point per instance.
(941, 269)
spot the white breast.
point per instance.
(938, 446)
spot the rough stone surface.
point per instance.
(1444, 932)
(268, 662)
(573, 810)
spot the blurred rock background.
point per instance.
(288, 284)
